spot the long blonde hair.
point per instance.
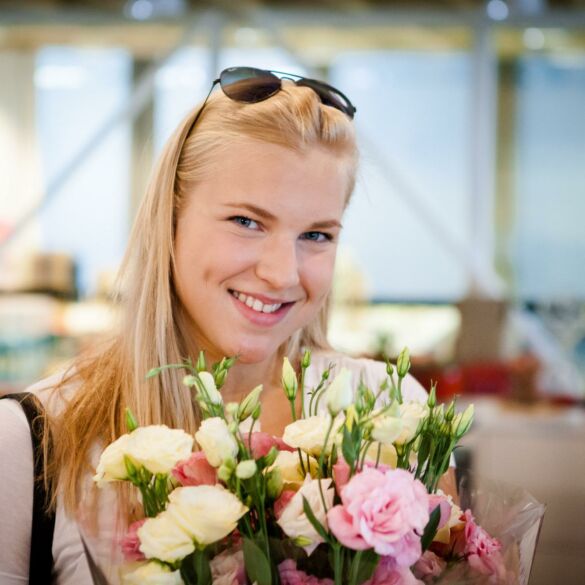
(152, 324)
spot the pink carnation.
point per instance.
(131, 543)
(195, 471)
(227, 568)
(290, 575)
(261, 443)
(383, 510)
(481, 550)
(388, 573)
(429, 565)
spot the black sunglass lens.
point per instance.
(247, 84)
(329, 96)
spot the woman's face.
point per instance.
(255, 247)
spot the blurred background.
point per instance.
(465, 240)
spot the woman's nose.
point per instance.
(278, 263)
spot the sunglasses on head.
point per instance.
(250, 85)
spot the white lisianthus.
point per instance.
(308, 434)
(289, 379)
(163, 539)
(388, 455)
(387, 429)
(111, 466)
(159, 448)
(207, 513)
(411, 413)
(216, 441)
(290, 469)
(246, 469)
(211, 390)
(153, 574)
(294, 521)
(339, 394)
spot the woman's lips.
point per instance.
(258, 318)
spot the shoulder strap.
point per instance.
(43, 522)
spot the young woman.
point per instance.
(232, 252)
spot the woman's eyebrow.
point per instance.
(265, 214)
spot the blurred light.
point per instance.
(533, 39)
(60, 77)
(140, 9)
(497, 10)
(176, 77)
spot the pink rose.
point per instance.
(383, 510)
(227, 568)
(388, 573)
(261, 443)
(429, 565)
(481, 550)
(195, 471)
(279, 505)
(131, 543)
(290, 575)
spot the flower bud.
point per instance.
(249, 404)
(231, 409)
(432, 401)
(350, 416)
(271, 456)
(257, 411)
(289, 380)
(246, 469)
(190, 381)
(274, 483)
(131, 422)
(450, 412)
(465, 421)
(233, 427)
(403, 363)
(220, 377)
(201, 366)
(306, 361)
(209, 388)
(224, 473)
(339, 394)
(302, 541)
(389, 368)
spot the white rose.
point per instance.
(411, 414)
(387, 429)
(291, 472)
(211, 390)
(159, 448)
(153, 574)
(308, 434)
(216, 441)
(293, 519)
(207, 513)
(161, 538)
(111, 465)
(339, 394)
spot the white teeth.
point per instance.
(256, 304)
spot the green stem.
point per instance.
(355, 565)
(378, 454)
(337, 565)
(321, 458)
(302, 389)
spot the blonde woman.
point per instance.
(232, 252)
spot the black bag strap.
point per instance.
(43, 522)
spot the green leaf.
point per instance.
(430, 529)
(313, 520)
(347, 447)
(202, 568)
(257, 565)
(153, 372)
(363, 566)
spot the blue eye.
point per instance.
(244, 221)
(317, 237)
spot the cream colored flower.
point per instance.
(293, 519)
(163, 539)
(159, 448)
(217, 442)
(291, 472)
(207, 513)
(387, 429)
(388, 455)
(111, 465)
(152, 574)
(411, 414)
(211, 390)
(308, 434)
(339, 394)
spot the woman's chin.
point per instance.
(253, 354)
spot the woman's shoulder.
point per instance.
(371, 372)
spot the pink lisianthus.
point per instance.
(483, 552)
(290, 575)
(261, 443)
(195, 471)
(227, 568)
(442, 501)
(341, 473)
(279, 505)
(388, 573)
(131, 543)
(383, 510)
(429, 565)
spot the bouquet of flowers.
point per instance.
(348, 495)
